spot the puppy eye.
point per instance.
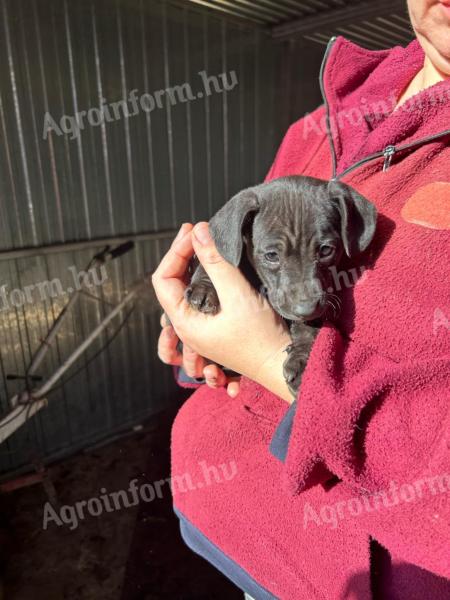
(326, 251)
(271, 257)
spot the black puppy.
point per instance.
(294, 230)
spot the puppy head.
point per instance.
(295, 230)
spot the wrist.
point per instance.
(270, 373)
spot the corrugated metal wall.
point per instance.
(137, 175)
(372, 24)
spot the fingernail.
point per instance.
(180, 233)
(201, 232)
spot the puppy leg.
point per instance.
(303, 336)
(201, 294)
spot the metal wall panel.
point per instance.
(135, 174)
(123, 385)
(374, 24)
(146, 173)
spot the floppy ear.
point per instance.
(358, 217)
(226, 226)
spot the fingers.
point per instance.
(233, 388)
(164, 320)
(184, 229)
(193, 363)
(168, 277)
(227, 279)
(167, 347)
(214, 376)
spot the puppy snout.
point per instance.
(305, 310)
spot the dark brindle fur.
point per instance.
(294, 229)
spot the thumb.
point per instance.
(227, 279)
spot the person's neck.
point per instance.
(425, 78)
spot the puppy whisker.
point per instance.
(336, 299)
(334, 303)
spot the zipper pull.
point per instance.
(388, 153)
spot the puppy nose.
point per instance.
(305, 309)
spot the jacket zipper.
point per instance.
(388, 153)
(327, 106)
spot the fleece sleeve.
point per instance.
(409, 516)
(378, 424)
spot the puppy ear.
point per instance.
(226, 226)
(358, 217)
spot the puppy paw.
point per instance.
(293, 368)
(203, 297)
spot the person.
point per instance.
(343, 493)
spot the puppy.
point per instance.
(294, 230)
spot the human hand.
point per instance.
(246, 336)
(192, 363)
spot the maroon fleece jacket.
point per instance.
(373, 407)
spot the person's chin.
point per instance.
(438, 51)
(441, 60)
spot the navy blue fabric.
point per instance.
(183, 378)
(209, 551)
(280, 440)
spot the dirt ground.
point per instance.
(135, 553)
